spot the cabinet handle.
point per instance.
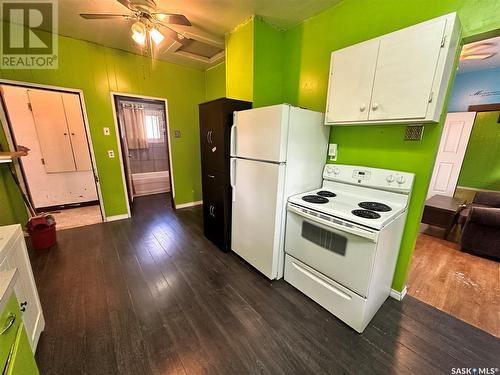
(11, 319)
(212, 210)
(65, 133)
(23, 306)
(362, 107)
(208, 137)
(211, 176)
(72, 133)
(375, 106)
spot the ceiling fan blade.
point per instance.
(172, 18)
(125, 3)
(173, 34)
(103, 16)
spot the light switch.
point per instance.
(106, 131)
(111, 154)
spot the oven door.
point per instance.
(340, 250)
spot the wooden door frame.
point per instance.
(90, 144)
(115, 94)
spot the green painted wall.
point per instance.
(215, 82)
(306, 64)
(481, 167)
(268, 60)
(98, 70)
(239, 61)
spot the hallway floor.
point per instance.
(460, 284)
(150, 295)
(77, 217)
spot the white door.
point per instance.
(451, 152)
(261, 133)
(77, 135)
(406, 65)
(52, 130)
(351, 80)
(257, 213)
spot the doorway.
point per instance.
(456, 261)
(58, 174)
(143, 132)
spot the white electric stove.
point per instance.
(342, 240)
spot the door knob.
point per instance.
(23, 306)
(374, 106)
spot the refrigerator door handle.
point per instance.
(232, 150)
(232, 173)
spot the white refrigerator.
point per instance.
(276, 152)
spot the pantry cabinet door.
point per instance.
(77, 135)
(406, 66)
(351, 80)
(52, 130)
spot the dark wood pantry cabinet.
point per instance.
(216, 119)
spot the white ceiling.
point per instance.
(489, 63)
(210, 18)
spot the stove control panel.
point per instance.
(384, 179)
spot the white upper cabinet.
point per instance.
(352, 73)
(400, 77)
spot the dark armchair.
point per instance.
(481, 230)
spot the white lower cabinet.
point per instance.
(14, 254)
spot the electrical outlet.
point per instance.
(106, 131)
(111, 154)
(332, 151)
(177, 133)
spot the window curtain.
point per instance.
(135, 127)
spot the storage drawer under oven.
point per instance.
(344, 257)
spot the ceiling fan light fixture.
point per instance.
(139, 33)
(156, 36)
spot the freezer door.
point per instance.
(261, 133)
(258, 213)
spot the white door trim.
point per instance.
(118, 140)
(90, 143)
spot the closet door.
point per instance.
(351, 80)
(52, 130)
(406, 65)
(76, 127)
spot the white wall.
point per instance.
(47, 189)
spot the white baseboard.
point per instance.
(117, 217)
(189, 204)
(398, 295)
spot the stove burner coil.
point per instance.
(366, 214)
(375, 206)
(326, 193)
(315, 199)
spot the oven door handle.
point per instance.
(372, 236)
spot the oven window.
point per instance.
(326, 239)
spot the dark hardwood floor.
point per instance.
(151, 295)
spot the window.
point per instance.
(154, 131)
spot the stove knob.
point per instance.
(390, 178)
(336, 171)
(329, 169)
(401, 180)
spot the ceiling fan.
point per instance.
(479, 51)
(148, 21)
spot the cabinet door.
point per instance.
(212, 137)
(25, 289)
(77, 135)
(52, 130)
(351, 80)
(215, 210)
(406, 65)
(22, 361)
